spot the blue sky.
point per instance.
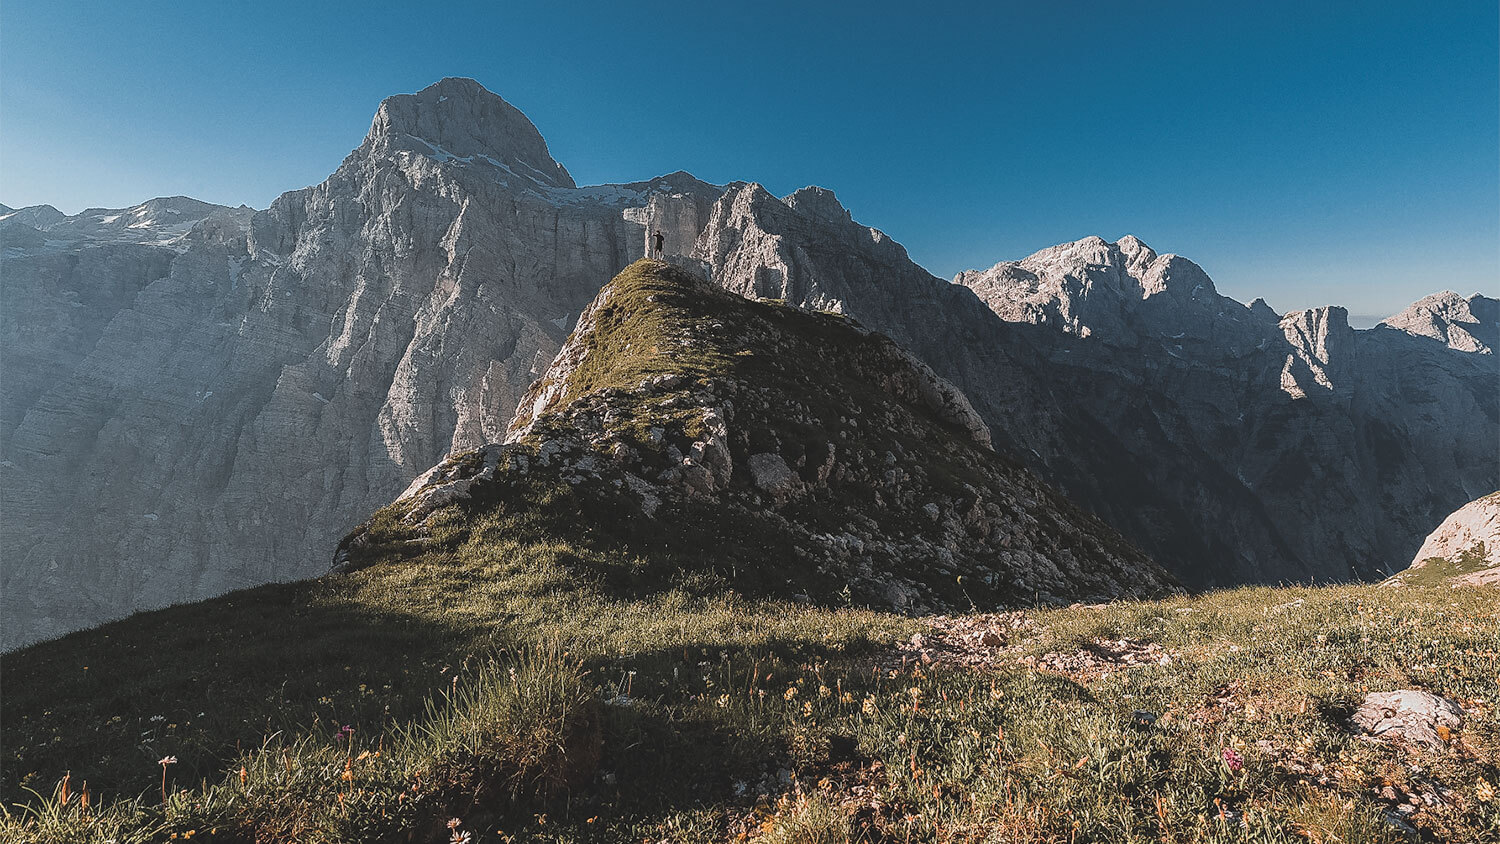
(1309, 153)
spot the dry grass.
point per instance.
(694, 717)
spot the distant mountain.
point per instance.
(1465, 325)
(1232, 443)
(200, 398)
(164, 221)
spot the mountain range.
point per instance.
(199, 398)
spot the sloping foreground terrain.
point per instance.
(199, 399)
(630, 623)
(500, 686)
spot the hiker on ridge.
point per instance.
(659, 241)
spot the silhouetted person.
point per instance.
(659, 242)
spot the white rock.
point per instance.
(1408, 714)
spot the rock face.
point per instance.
(1465, 325)
(199, 399)
(1463, 551)
(793, 451)
(1352, 442)
(1281, 447)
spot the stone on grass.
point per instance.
(1415, 716)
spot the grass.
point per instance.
(691, 714)
(1438, 571)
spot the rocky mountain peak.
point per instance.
(1176, 276)
(459, 119)
(1262, 309)
(820, 203)
(1118, 291)
(36, 216)
(1465, 325)
(812, 455)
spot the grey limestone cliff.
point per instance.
(209, 400)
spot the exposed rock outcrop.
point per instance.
(1463, 551)
(1413, 716)
(1465, 325)
(791, 451)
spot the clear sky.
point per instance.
(1310, 153)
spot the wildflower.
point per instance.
(165, 761)
(791, 692)
(824, 691)
(869, 707)
(1235, 761)
(1484, 791)
(454, 823)
(723, 701)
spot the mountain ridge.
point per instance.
(215, 413)
(806, 448)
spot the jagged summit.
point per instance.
(812, 456)
(459, 118)
(820, 203)
(1116, 291)
(1465, 325)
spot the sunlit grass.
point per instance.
(702, 716)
